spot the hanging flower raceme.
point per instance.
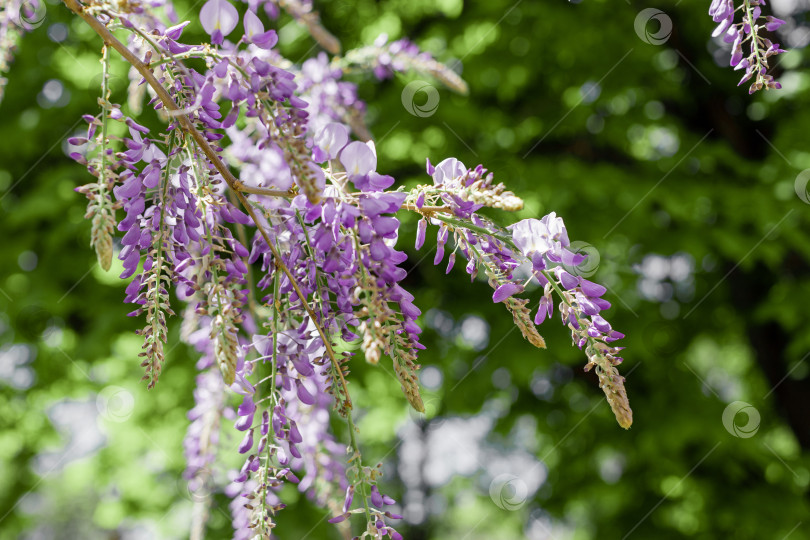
(385, 58)
(748, 32)
(275, 227)
(541, 245)
(544, 244)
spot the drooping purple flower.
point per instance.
(358, 159)
(546, 308)
(721, 9)
(331, 140)
(247, 443)
(244, 422)
(218, 19)
(372, 182)
(421, 229)
(347, 501)
(737, 52)
(376, 497)
(748, 31)
(772, 23)
(506, 290)
(303, 394)
(247, 406)
(254, 31)
(447, 171)
(532, 236)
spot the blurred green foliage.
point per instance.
(644, 150)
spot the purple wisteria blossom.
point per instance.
(219, 18)
(539, 244)
(254, 32)
(384, 58)
(748, 31)
(263, 211)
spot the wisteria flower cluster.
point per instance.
(748, 30)
(261, 206)
(538, 246)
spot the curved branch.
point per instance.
(233, 182)
(236, 185)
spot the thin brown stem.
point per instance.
(426, 210)
(168, 102)
(244, 188)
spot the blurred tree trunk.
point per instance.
(770, 343)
